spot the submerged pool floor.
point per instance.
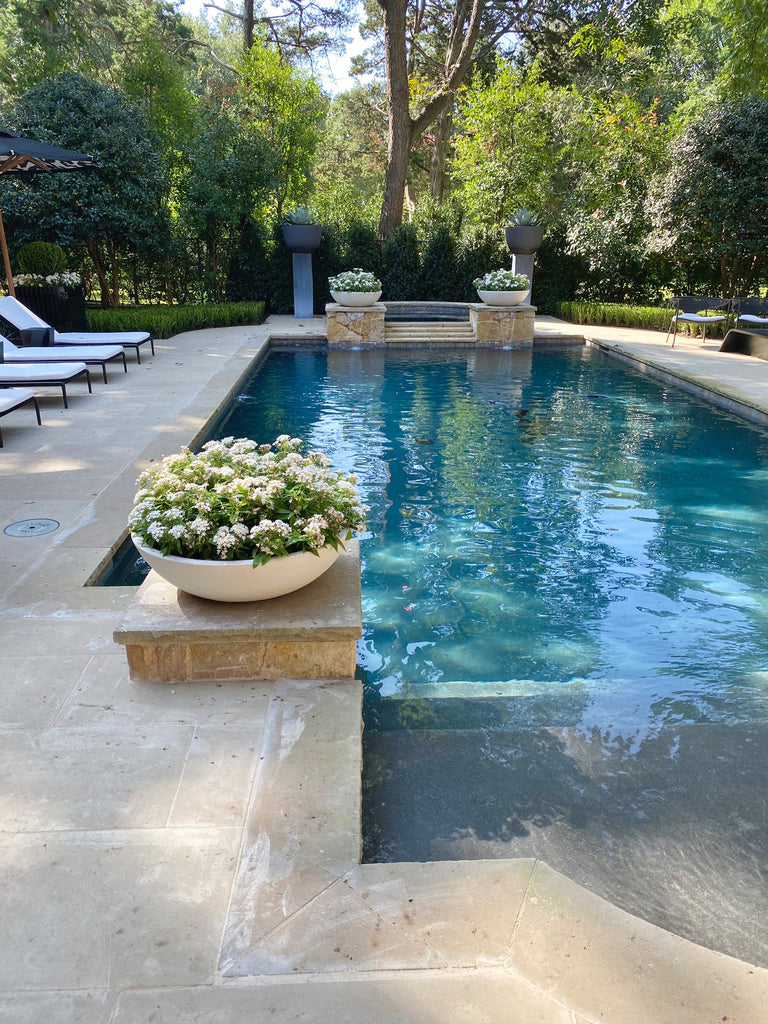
(566, 642)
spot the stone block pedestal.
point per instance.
(355, 325)
(507, 325)
(172, 637)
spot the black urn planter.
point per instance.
(60, 306)
(524, 238)
(303, 237)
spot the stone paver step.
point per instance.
(429, 330)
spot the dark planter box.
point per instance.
(524, 238)
(303, 237)
(63, 308)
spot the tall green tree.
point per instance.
(711, 207)
(98, 39)
(229, 178)
(286, 107)
(514, 145)
(299, 29)
(112, 213)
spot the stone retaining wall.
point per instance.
(492, 326)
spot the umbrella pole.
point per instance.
(6, 258)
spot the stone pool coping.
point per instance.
(191, 852)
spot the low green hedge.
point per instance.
(165, 321)
(612, 314)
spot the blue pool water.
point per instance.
(550, 527)
(565, 653)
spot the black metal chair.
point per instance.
(751, 312)
(693, 310)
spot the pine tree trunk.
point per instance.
(400, 124)
(440, 154)
(247, 24)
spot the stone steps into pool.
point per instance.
(500, 688)
(512, 703)
(438, 332)
(637, 819)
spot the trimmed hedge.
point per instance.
(612, 314)
(165, 321)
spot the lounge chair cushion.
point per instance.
(29, 373)
(47, 354)
(11, 398)
(100, 338)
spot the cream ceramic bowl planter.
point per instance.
(239, 580)
(356, 298)
(502, 298)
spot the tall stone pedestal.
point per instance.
(510, 326)
(172, 637)
(355, 325)
(303, 287)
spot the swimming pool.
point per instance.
(537, 522)
(566, 643)
(565, 619)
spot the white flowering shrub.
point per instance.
(70, 278)
(239, 500)
(356, 280)
(502, 281)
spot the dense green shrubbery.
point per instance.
(165, 321)
(611, 314)
(402, 265)
(41, 258)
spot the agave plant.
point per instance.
(301, 215)
(525, 218)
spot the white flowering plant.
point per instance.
(357, 280)
(502, 281)
(70, 278)
(236, 499)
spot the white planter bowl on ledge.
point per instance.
(356, 298)
(239, 580)
(502, 298)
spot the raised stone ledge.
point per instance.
(172, 637)
(491, 326)
(507, 325)
(355, 325)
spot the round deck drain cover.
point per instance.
(31, 527)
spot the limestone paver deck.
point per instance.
(191, 853)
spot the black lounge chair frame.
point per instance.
(22, 402)
(47, 382)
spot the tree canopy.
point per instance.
(603, 115)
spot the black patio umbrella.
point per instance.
(28, 156)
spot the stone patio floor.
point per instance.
(191, 853)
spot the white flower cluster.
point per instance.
(70, 278)
(239, 500)
(357, 280)
(502, 281)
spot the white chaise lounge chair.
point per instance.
(30, 326)
(97, 355)
(14, 398)
(43, 375)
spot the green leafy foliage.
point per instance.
(41, 258)
(611, 314)
(286, 107)
(402, 265)
(440, 274)
(711, 206)
(109, 212)
(165, 321)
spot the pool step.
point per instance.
(504, 688)
(437, 332)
